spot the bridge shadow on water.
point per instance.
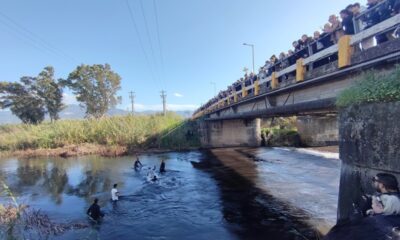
(250, 212)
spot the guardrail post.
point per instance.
(274, 81)
(256, 88)
(300, 70)
(345, 51)
(244, 91)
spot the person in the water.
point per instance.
(138, 165)
(94, 210)
(152, 176)
(162, 166)
(114, 193)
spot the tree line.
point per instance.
(30, 99)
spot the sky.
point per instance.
(184, 47)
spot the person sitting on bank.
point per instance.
(138, 165)
(388, 193)
(162, 166)
(94, 210)
(114, 193)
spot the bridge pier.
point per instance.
(231, 133)
(369, 144)
(317, 130)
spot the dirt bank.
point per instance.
(82, 150)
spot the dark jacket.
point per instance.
(94, 211)
(348, 25)
(162, 167)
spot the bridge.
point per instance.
(306, 89)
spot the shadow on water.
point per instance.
(199, 197)
(250, 212)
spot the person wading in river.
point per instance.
(114, 193)
(137, 164)
(162, 166)
(94, 210)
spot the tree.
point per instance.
(50, 91)
(95, 88)
(23, 103)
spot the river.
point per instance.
(241, 193)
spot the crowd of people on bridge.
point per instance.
(353, 18)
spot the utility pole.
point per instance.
(164, 101)
(132, 97)
(252, 52)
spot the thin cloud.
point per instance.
(69, 99)
(178, 95)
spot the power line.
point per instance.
(132, 97)
(164, 102)
(159, 41)
(36, 38)
(140, 40)
(149, 37)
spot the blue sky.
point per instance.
(201, 41)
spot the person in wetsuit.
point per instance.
(162, 167)
(94, 210)
(137, 164)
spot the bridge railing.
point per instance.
(343, 49)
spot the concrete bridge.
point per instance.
(302, 89)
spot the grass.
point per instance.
(372, 87)
(129, 131)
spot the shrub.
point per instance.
(372, 87)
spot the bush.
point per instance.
(131, 131)
(372, 87)
(278, 137)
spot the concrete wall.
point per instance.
(318, 131)
(231, 133)
(369, 143)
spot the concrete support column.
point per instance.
(231, 133)
(369, 144)
(317, 131)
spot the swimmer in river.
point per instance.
(138, 165)
(151, 176)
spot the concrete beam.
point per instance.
(231, 133)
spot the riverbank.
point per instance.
(86, 150)
(108, 137)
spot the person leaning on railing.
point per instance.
(347, 22)
(335, 28)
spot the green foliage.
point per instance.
(30, 99)
(183, 136)
(95, 87)
(277, 136)
(372, 87)
(50, 91)
(131, 131)
(22, 101)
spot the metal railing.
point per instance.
(387, 24)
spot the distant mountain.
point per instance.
(76, 112)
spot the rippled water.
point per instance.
(222, 194)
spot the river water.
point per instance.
(263, 193)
